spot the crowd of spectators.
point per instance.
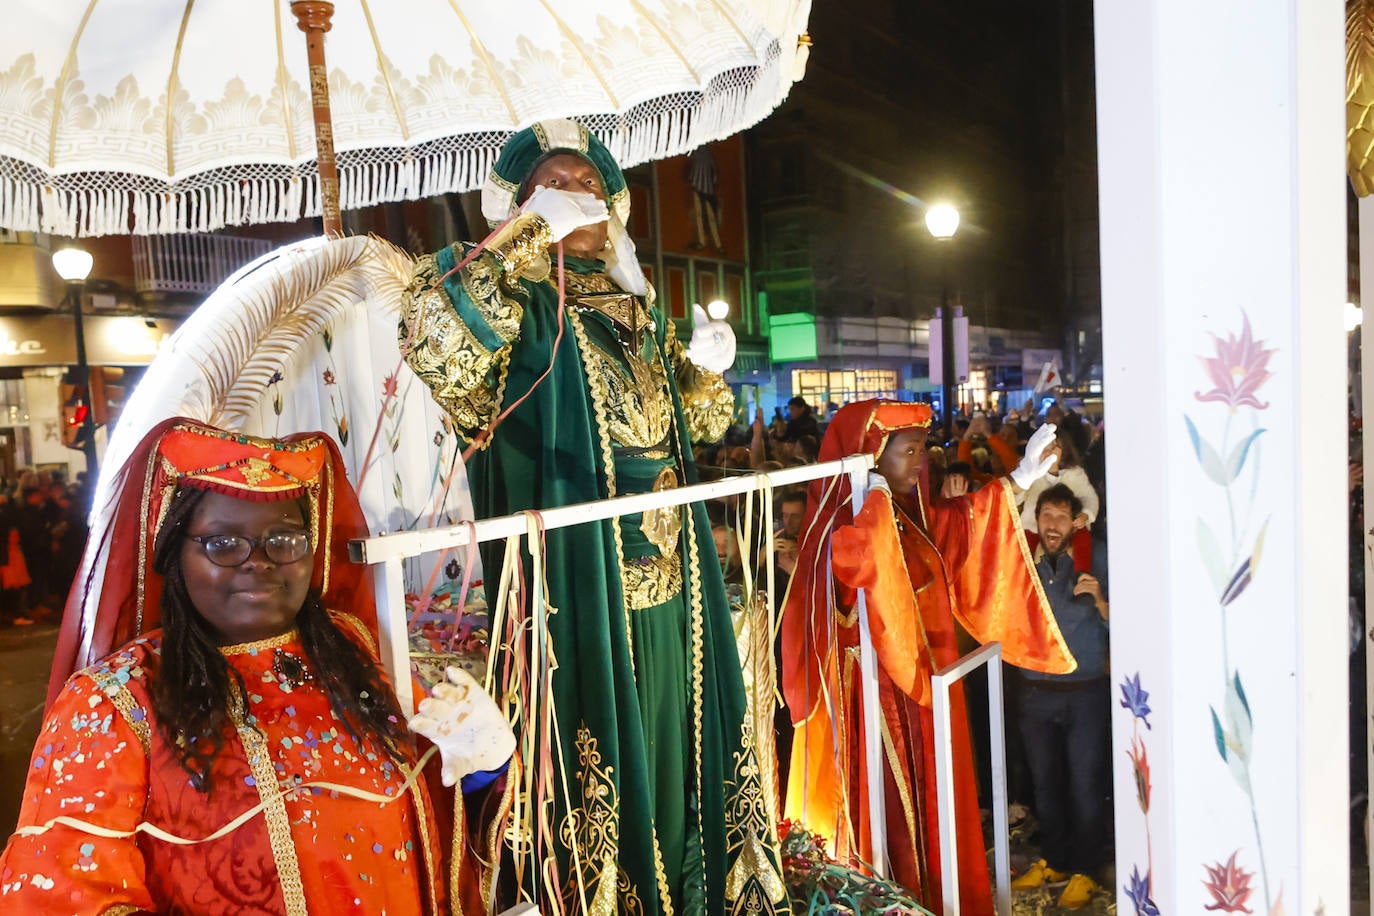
(42, 532)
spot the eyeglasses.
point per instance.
(232, 550)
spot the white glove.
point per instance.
(466, 725)
(565, 211)
(1032, 466)
(713, 342)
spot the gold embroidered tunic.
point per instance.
(664, 810)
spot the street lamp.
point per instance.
(943, 221)
(717, 309)
(73, 265)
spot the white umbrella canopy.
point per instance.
(423, 93)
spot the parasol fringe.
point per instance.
(93, 204)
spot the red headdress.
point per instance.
(117, 595)
(857, 429)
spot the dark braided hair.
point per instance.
(195, 685)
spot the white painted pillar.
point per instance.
(1221, 162)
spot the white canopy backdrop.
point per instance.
(302, 339)
(149, 116)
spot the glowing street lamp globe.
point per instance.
(942, 220)
(717, 309)
(72, 264)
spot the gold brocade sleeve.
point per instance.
(457, 335)
(707, 400)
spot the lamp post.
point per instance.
(73, 265)
(943, 221)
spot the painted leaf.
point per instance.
(1240, 726)
(1238, 584)
(1218, 734)
(1235, 462)
(1240, 692)
(1211, 555)
(1206, 455)
(1258, 549)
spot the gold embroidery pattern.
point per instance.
(650, 581)
(665, 893)
(624, 310)
(123, 701)
(261, 645)
(593, 829)
(754, 882)
(120, 909)
(423, 819)
(707, 401)
(495, 833)
(903, 790)
(575, 284)
(274, 807)
(755, 649)
(465, 378)
(639, 410)
(697, 614)
(522, 249)
(663, 525)
(353, 625)
(634, 394)
(597, 387)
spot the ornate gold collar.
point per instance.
(261, 645)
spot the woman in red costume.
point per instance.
(230, 743)
(927, 568)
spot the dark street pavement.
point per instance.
(25, 659)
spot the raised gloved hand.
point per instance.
(713, 342)
(565, 211)
(466, 725)
(1033, 466)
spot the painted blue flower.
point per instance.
(1138, 890)
(1136, 698)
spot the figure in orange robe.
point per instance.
(923, 565)
(294, 812)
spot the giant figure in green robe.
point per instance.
(658, 807)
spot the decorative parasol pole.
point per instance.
(313, 18)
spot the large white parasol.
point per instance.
(149, 116)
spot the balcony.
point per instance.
(175, 266)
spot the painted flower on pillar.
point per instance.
(1230, 536)
(1136, 698)
(1229, 885)
(1140, 766)
(1238, 369)
(1138, 892)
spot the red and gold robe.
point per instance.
(101, 761)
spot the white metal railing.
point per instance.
(940, 683)
(191, 263)
(387, 551)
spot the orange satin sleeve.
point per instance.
(88, 764)
(868, 555)
(998, 596)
